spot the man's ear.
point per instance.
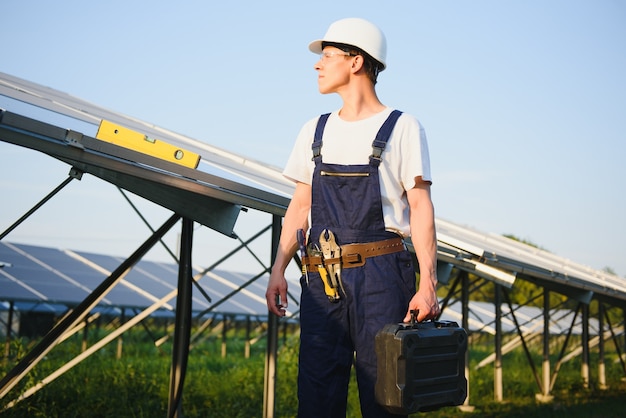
(357, 63)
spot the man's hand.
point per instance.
(425, 300)
(276, 294)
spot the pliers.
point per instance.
(332, 258)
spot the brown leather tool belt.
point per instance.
(354, 255)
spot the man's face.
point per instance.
(333, 70)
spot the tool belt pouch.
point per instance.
(421, 366)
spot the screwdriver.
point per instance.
(302, 246)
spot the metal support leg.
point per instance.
(248, 330)
(497, 369)
(584, 370)
(559, 362)
(269, 391)
(7, 343)
(182, 330)
(545, 396)
(120, 339)
(224, 332)
(601, 368)
(85, 336)
(464, 276)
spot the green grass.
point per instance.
(137, 385)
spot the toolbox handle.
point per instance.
(414, 313)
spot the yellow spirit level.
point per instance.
(136, 141)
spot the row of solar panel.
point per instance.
(54, 276)
(49, 279)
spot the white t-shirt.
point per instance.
(349, 143)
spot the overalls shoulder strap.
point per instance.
(317, 139)
(379, 143)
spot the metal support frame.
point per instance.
(182, 330)
(75, 316)
(207, 199)
(269, 385)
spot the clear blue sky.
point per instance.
(523, 102)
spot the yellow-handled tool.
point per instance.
(331, 292)
(331, 251)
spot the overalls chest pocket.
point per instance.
(350, 196)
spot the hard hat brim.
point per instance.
(316, 46)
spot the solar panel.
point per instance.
(42, 282)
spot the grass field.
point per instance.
(137, 384)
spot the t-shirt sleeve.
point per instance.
(299, 167)
(415, 159)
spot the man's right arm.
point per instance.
(296, 217)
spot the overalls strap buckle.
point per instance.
(377, 150)
(317, 139)
(379, 143)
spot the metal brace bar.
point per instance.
(73, 174)
(521, 335)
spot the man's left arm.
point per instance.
(424, 238)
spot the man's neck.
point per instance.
(360, 104)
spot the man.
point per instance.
(351, 190)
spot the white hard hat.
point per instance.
(356, 32)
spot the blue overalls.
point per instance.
(346, 199)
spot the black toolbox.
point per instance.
(421, 366)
